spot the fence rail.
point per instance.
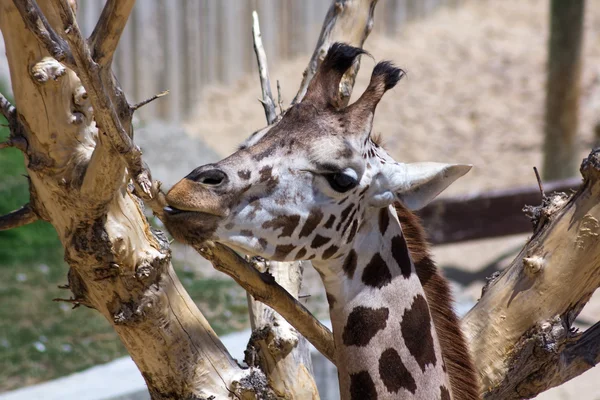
(185, 45)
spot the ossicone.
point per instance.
(324, 87)
(384, 77)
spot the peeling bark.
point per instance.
(118, 264)
(520, 330)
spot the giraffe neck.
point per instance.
(386, 344)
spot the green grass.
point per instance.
(41, 339)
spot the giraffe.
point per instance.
(317, 187)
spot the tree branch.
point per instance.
(263, 71)
(105, 37)
(516, 316)
(23, 216)
(37, 23)
(265, 289)
(102, 90)
(142, 103)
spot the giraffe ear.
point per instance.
(324, 87)
(417, 184)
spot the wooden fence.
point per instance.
(184, 45)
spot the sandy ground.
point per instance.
(474, 93)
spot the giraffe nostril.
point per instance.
(211, 177)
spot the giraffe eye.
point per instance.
(341, 182)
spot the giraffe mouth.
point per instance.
(190, 227)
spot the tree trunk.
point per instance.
(563, 88)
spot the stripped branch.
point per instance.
(101, 90)
(37, 23)
(263, 72)
(23, 216)
(265, 289)
(105, 37)
(514, 329)
(142, 103)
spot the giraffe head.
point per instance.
(300, 189)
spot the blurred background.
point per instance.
(474, 93)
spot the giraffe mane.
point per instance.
(462, 373)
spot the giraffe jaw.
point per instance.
(190, 227)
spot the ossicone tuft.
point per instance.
(340, 57)
(389, 72)
(324, 87)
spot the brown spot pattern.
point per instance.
(350, 264)
(464, 383)
(353, 231)
(244, 174)
(400, 254)
(384, 220)
(363, 324)
(344, 215)
(246, 232)
(376, 273)
(319, 241)
(329, 222)
(265, 153)
(362, 386)
(394, 374)
(283, 250)
(301, 253)
(314, 218)
(263, 243)
(287, 223)
(350, 219)
(329, 252)
(416, 332)
(266, 175)
(445, 394)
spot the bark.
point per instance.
(521, 328)
(118, 264)
(563, 88)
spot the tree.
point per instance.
(87, 178)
